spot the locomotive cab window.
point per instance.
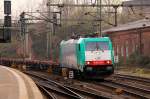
(95, 46)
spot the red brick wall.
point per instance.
(127, 42)
(146, 43)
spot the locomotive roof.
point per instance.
(87, 39)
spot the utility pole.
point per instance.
(99, 5)
(52, 23)
(47, 44)
(99, 9)
(27, 42)
(22, 32)
(55, 22)
(115, 8)
(100, 12)
(49, 34)
(24, 35)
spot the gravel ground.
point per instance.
(134, 71)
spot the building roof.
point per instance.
(130, 25)
(136, 2)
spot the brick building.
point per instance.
(131, 37)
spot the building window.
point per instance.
(127, 49)
(122, 52)
(133, 46)
(136, 47)
(117, 50)
(114, 49)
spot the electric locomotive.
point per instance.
(88, 57)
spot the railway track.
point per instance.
(53, 86)
(137, 87)
(92, 89)
(133, 78)
(66, 91)
(131, 90)
(46, 92)
(138, 82)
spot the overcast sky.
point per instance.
(21, 5)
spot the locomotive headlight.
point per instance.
(87, 63)
(109, 62)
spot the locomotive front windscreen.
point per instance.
(95, 46)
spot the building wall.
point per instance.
(127, 42)
(146, 43)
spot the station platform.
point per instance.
(16, 85)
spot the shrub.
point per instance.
(132, 59)
(138, 59)
(142, 60)
(121, 62)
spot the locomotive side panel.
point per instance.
(68, 54)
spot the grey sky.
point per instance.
(21, 5)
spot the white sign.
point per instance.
(71, 74)
(116, 59)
